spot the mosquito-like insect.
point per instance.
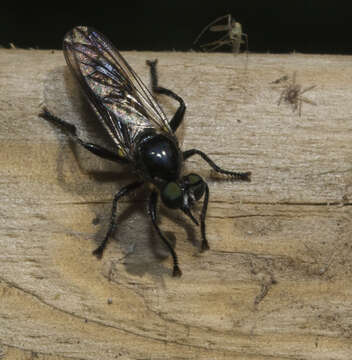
(142, 135)
(233, 37)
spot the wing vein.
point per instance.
(118, 96)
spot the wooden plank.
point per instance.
(276, 282)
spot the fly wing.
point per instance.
(116, 93)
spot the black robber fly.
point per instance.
(142, 135)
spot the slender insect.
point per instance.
(142, 135)
(233, 37)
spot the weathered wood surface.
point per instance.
(276, 283)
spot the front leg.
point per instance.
(98, 252)
(241, 176)
(205, 244)
(152, 212)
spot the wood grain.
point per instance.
(276, 283)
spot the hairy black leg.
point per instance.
(178, 117)
(152, 211)
(241, 176)
(72, 131)
(98, 252)
(205, 245)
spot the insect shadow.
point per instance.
(144, 139)
(73, 102)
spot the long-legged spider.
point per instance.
(292, 95)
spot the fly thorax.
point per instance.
(158, 157)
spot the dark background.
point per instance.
(272, 26)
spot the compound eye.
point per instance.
(196, 184)
(172, 195)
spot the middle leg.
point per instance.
(152, 212)
(71, 130)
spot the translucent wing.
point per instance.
(116, 93)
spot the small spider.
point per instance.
(233, 37)
(292, 94)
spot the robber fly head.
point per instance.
(184, 193)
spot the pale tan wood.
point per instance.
(277, 281)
